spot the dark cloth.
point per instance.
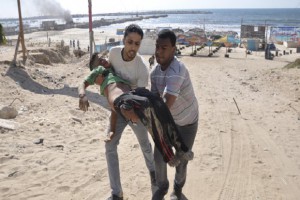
(155, 115)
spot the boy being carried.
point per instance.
(133, 105)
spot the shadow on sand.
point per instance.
(21, 77)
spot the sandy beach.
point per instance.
(247, 145)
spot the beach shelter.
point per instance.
(209, 43)
(228, 41)
(120, 31)
(194, 39)
(181, 39)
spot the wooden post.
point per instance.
(91, 28)
(21, 33)
(266, 34)
(16, 51)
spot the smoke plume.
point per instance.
(53, 8)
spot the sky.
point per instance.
(9, 8)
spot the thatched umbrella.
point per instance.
(228, 41)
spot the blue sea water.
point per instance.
(223, 19)
(228, 19)
(219, 20)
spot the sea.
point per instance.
(218, 20)
(226, 19)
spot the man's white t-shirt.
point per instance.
(135, 71)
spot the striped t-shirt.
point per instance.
(175, 80)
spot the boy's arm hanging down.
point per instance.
(83, 100)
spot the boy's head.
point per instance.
(94, 61)
(97, 60)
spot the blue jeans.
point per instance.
(112, 153)
(188, 134)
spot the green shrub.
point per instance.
(295, 64)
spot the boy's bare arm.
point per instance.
(81, 88)
(83, 100)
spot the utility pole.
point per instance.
(266, 34)
(21, 33)
(91, 28)
(204, 25)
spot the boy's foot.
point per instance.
(159, 195)
(176, 194)
(173, 196)
(115, 197)
(174, 162)
(188, 155)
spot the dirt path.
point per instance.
(240, 156)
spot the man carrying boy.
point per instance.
(131, 67)
(170, 79)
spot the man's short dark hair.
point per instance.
(167, 33)
(134, 28)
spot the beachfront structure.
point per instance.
(147, 46)
(253, 36)
(48, 25)
(290, 35)
(250, 31)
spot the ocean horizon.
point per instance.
(217, 20)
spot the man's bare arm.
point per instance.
(169, 99)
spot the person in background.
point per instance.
(171, 80)
(78, 44)
(151, 61)
(130, 66)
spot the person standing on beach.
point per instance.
(78, 44)
(151, 61)
(171, 80)
(130, 66)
